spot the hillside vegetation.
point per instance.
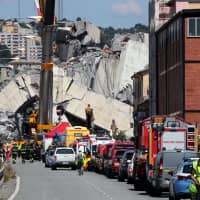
(107, 34)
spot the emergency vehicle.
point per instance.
(160, 133)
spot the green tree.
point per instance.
(78, 19)
(5, 54)
(108, 33)
(121, 136)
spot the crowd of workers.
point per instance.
(24, 151)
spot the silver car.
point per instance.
(49, 158)
(167, 161)
(130, 170)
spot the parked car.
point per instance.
(180, 181)
(49, 158)
(167, 161)
(130, 170)
(113, 164)
(139, 170)
(123, 165)
(63, 157)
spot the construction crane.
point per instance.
(46, 8)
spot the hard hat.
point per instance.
(193, 188)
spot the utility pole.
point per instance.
(46, 74)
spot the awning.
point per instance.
(60, 129)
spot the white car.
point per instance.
(63, 157)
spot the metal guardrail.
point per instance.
(2, 167)
(1, 175)
(1, 172)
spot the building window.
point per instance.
(194, 27)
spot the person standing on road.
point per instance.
(31, 153)
(19, 146)
(14, 154)
(8, 152)
(196, 178)
(23, 153)
(80, 158)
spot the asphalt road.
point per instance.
(40, 183)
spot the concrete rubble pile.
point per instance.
(84, 74)
(105, 71)
(7, 126)
(72, 37)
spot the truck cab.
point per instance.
(113, 164)
(111, 152)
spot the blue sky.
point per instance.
(115, 13)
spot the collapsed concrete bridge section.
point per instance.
(73, 97)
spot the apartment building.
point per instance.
(141, 90)
(178, 66)
(21, 40)
(160, 12)
(141, 97)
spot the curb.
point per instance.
(1, 181)
(16, 189)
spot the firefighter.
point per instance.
(14, 154)
(80, 158)
(87, 159)
(8, 152)
(19, 146)
(196, 179)
(23, 153)
(31, 153)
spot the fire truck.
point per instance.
(156, 134)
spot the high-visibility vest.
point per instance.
(196, 167)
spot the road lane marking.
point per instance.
(16, 189)
(98, 189)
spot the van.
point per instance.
(165, 162)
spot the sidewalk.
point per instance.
(7, 189)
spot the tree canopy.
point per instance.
(107, 34)
(5, 54)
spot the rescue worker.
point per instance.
(19, 146)
(196, 178)
(4, 153)
(89, 118)
(80, 158)
(23, 153)
(38, 152)
(87, 159)
(14, 154)
(31, 153)
(8, 152)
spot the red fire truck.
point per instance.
(156, 134)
